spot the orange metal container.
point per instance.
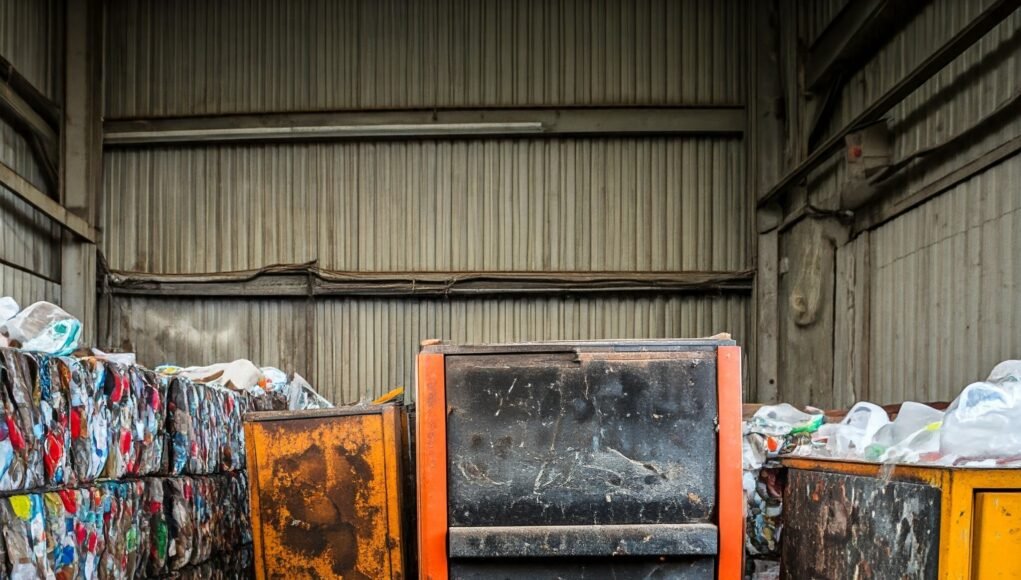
(529, 550)
(326, 492)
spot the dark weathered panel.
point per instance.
(588, 569)
(573, 439)
(845, 526)
(325, 499)
(561, 541)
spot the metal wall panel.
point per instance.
(31, 40)
(201, 332)
(26, 288)
(984, 78)
(946, 290)
(360, 348)
(27, 237)
(521, 204)
(188, 57)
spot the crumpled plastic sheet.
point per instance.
(149, 393)
(23, 431)
(90, 417)
(23, 522)
(206, 516)
(62, 528)
(89, 532)
(55, 408)
(178, 494)
(204, 427)
(159, 534)
(232, 565)
(123, 414)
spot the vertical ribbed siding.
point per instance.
(30, 39)
(363, 347)
(201, 332)
(26, 288)
(526, 204)
(946, 291)
(28, 239)
(186, 57)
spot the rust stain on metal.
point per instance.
(326, 488)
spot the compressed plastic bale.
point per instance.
(182, 411)
(23, 415)
(62, 528)
(24, 529)
(159, 534)
(90, 417)
(178, 493)
(12, 467)
(121, 502)
(55, 408)
(203, 513)
(120, 401)
(242, 499)
(149, 397)
(138, 533)
(90, 535)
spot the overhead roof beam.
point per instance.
(426, 124)
(992, 15)
(857, 32)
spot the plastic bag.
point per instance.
(782, 419)
(983, 422)
(850, 437)
(8, 308)
(913, 434)
(44, 327)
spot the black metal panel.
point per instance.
(567, 541)
(846, 526)
(576, 437)
(587, 569)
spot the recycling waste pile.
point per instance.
(112, 470)
(978, 429)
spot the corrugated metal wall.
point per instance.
(188, 57)
(29, 242)
(31, 40)
(470, 205)
(525, 204)
(925, 302)
(358, 348)
(947, 289)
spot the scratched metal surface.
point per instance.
(847, 526)
(580, 438)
